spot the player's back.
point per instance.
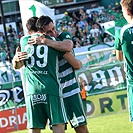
(41, 68)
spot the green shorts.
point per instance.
(41, 107)
(75, 111)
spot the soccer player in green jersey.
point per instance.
(71, 95)
(44, 95)
(124, 48)
(71, 92)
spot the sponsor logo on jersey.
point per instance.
(39, 98)
(76, 120)
(68, 36)
(81, 119)
(38, 72)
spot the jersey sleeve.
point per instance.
(23, 42)
(65, 35)
(57, 39)
(117, 44)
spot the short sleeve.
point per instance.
(65, 35)
(117, 43)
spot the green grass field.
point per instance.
(114, 123)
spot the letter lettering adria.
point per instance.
(24, 118)
(12, 120)
(3, 122)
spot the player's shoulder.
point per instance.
(126, 30)
(48, 37)
(24, 39)
(57, 39)
(126, 27)
(65, 34)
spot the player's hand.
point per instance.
(37, 40)
(32, 40)
(18, 49)
(20, 56)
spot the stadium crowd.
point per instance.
(84, 27)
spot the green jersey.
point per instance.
(66, 72)
(41, 69)
(124, 42)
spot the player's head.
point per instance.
(127, 9)
(45, 25)
(31, 25)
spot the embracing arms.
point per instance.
(18, 58)
(65, 45)
(76, 64)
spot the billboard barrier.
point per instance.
(12, 120)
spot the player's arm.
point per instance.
(65, 45)
(17, 64)
(117, 46)
(18, 59)
(76, 64)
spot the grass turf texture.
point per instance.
(114, 123)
